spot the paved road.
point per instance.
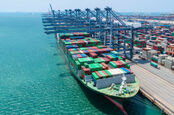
(163, 72)
(159, 88)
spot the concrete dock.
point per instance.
(156, 85)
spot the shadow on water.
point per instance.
(100, 102)
(55, 54)
(52, 46)
(64, 74)
(137, 105)
(58, 64)
(140, 105)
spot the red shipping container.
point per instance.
(105, 74)
(79, 56)
(170, 37)
(70, 49)
(104, 46)
(91, 51)
(100, 51)
(109, 57)
(110, 49)
(146, 49)
(73, 42)
(155, 47)
(99, 75)
(83, 67)
(119, 64)
(82, 75)
(81, 42)
(94, 55)
(123, 57)
(93, 47)
(106, 60)
(105, 65)
(104, 51)
(84, 52)
(86, 70)
(89, 71)
(74, 52)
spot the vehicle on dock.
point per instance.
(97, 67)
(154, 65)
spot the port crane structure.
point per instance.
(105, 25)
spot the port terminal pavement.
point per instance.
(156, 84)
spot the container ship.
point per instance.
(97, 67)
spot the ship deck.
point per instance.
(112, 92)
(157, 85)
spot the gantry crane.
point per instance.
(105, 25)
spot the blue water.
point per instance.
(35, 80)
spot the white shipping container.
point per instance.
(163, 62)
(169, 58)
(168, 64)
(107, 82)
(116, 71)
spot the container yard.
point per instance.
(103, 49)
(157, 45)
(154, 60)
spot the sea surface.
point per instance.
(35, 80)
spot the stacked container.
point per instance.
(93, 61)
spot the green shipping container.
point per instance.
(108, 73)
(113, 64)
(71, 52)
(99, 60)
(120, 58)
(139, 33)
(77, 64)
(114, 52)
(154, 59)
(95, 67)
(154, 64)
(85, 60)
(173, 34)
(128, 66)
(103, 75)
(100, 46)
(83, 48)
(95, 76)
(86, 65)
(124, 62)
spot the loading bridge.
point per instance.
(105, 25)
